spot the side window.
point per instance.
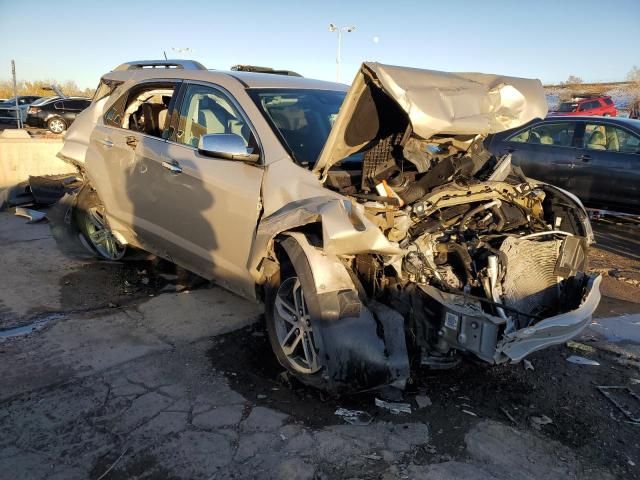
(206, 110)
(558, 134)
(608, 101)
(627, 142)
(521, 137)
(58, 106)
(114, 116)
(610, 138)
(76, 104)
(143, 109)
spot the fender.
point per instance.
(362, 343)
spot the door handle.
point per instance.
(173, 167)
(584, 158)
(106, 142)
(131, 141)
(511, 150)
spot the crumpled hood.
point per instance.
(435, 103)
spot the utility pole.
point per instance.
(339, 30)
(15, 94)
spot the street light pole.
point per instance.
(15, 94)
(339, 30)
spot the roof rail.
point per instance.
(179, 64)
(255, 69)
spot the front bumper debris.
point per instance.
(464, 326)
(553, 330)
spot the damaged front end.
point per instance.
(432, 239)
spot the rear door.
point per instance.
(545, 151)
(607, 167)
(124, 158)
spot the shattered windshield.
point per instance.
(568, 107)
(302, 118)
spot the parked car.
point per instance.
(597, 159)
(379, 233)
(583, 106)
(56, 113)
(8, 108)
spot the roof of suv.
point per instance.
(247, 79)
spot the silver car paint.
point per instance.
(219, 218)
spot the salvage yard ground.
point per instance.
(137, 370)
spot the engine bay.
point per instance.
(474, 233)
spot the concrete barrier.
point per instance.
(21, 157)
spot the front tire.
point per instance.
(289, 325)
(56, 125)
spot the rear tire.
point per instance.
(56, 125)
(90, 217)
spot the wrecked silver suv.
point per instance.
(379, 233)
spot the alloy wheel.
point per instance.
(293, 327)
(100, 235)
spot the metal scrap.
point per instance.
(582, 361)
(33, 215)
(631, 396)
(354, 417)
(538, 422)
(394, 407)
(423, 401)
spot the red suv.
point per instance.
(602, 106)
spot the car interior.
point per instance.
(609, 138)
(209, 113)
(147, 111)
(558, 134)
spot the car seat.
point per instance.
(545, 138)
(597, 141)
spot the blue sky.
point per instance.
(550, 40)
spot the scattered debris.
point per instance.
(634, 381)
(623, 404)
(527, 364)
(261, 396)
(354, 417)
(114, 464)
(283, 437)
(47, 190)
(33, 215)
(373, 456)
(582, 361)
(423, 401)
(580, 346)
(394, 407)
(508, 415)
(539, 422)
(469, 412)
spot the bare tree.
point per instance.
(572, 80)
(634, 74)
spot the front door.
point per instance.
(210, 205)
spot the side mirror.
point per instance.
(226, 145)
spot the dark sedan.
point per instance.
(596, 158)
(56, 113)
